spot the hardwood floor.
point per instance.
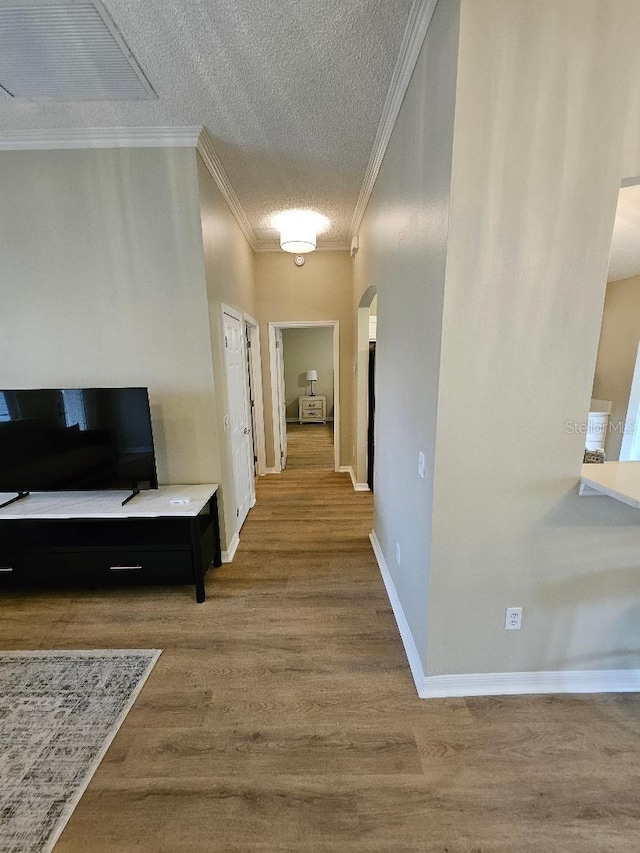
(281, 715)
(309, 446)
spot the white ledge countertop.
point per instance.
(174, 501)
(619, 480)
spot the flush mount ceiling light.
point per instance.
(65, 50)
(299, 229)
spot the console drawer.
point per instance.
(130, 566)
(11, 565)
(21, 567)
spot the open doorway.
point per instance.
(371, 396)
(254, 366)
(613, 424)
(364, 445)
(305, 394)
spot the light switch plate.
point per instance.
(421, 465)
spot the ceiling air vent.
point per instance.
(66, 50)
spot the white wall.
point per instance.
(402, 254)
(102, 284)
(542, 103)
(306, 349)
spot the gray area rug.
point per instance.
(59, 711)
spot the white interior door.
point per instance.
(239, 416)
(282, 399)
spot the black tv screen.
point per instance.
(76, 438)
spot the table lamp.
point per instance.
(312, 376)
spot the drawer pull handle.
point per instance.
(6, 569)
(124, 568)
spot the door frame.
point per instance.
(312, 324)
(255, 366)
(282, 439)
(360, 455)
(237, 315)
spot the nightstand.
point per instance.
(312, 410)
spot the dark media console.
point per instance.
(165, 535)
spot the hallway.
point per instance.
(310, 446)
(281, 715)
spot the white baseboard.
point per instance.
(520, 683)
(227, 556)
(272, 471)
(415, 664)
(587, 491)
(358, 487)
(498, 683)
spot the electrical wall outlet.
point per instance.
(421, 465)
(398, 553)
(513, 619)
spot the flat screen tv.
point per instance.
(76, 438)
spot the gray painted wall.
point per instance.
(306, 349)
(319, 290)
(113, 267)
(488, 242)
(403, 241)
(102, 283)
(543, 99)
(228, 266)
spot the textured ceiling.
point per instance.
(291, 92)
(624, 261)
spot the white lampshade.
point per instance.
(298, 237)
(312, 375)
(298, 229)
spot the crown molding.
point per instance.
(333, 247)
(190, 137)
(213, 164)
(414, 35)
(135, 137)
(262, 247)
(100, 137)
